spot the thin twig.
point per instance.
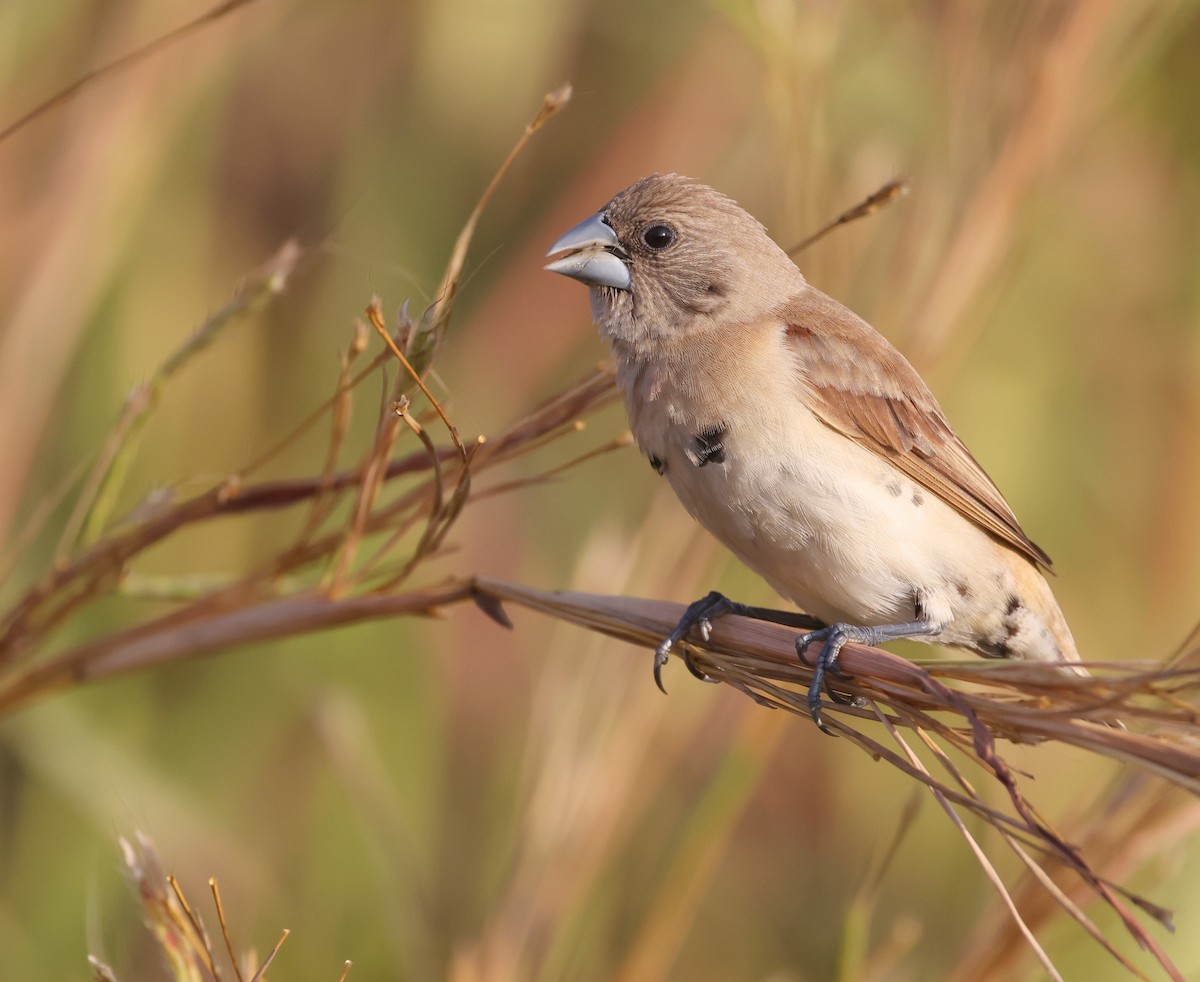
(375, 316)
(125, 61)
(980, 856)
(868, 206)
(201, 629)
(202, 945)
(216, 895)
(425, 340)
(373, 469)
(96, 502)
(262, 969)
(339, 424)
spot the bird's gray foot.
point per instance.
(707, 609)
(701, 613)
(833, 639)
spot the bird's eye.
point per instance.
(658, 237)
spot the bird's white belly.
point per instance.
(812, 528)
(831, 526)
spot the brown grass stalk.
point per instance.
(248, 610)
(1018, 702)
(177, 927)
(126, 61)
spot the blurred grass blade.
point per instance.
(868, 206)
(98, 499)
(432, 328)
(125, 61)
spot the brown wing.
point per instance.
(863, 387)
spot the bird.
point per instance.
(802, 439)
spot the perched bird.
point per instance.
(800, 438)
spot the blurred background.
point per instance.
(447, 799)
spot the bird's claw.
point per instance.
(690, 662)
(661, 654)
(832, 639)
(699, 615)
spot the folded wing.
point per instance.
(863, 387)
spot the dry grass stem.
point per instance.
(423, 343)
(97, 501)
(868, 206)
(261, 974)
(976, 850)
(317, 578)
(966, 708)
(210, 16)
(178, 929)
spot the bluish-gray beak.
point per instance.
(593, 255)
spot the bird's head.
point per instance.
(669, 256)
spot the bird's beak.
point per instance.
(593, 255)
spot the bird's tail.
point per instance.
(1055, 642)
